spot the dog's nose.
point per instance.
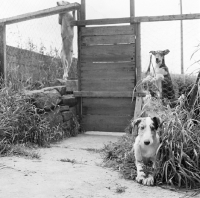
(157, 60)
(147, 142)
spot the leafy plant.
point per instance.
(178, 157)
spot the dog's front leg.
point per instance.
(141, 175)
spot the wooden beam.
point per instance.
(83, 10)
(165, 18)
(132, 8)
(2, 52)
(108, 94)
(81, 15)
(138, 52)
(136, 19)
(101, 21)
(41, 13)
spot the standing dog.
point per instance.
(67, 34)
(145, 146)
(165, 85)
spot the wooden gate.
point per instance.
(107, 76)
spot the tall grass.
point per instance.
(19, 120)
(22, 123)
(178, 157)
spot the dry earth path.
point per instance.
(71, 169)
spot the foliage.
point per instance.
(21, 122)
(118, 155)
(182, 83)
(178, 157)
(19, 150)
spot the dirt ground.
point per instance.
(55, 175)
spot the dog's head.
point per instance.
(61, 3)
(146, 129)
(160, 56)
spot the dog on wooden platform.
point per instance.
(145, 146)
(67, 34)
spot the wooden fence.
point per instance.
(21, 18)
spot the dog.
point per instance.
(145, 146)
(165, 85)
(67, 34)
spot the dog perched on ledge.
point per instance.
(67, 34)
(145, 146)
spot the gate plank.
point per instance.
(107, 30)
(108, 123)
(118, 66)
(108, 106)
(106, 53)
(108, 84)
(106, 74)
(110, 39)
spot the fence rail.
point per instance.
(136, 19)
(25, 17)
(41, 13)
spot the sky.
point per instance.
(154, 35)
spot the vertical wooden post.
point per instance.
(83, 10)
(81, 15)
(132, 8)
(3, 52)
(138, 51)
(138, 42)
(181, 32)
(138, 101)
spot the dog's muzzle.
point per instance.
(147, 142)
(157, 60)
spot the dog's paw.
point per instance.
(148, 181)
(140, 177)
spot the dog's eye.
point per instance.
(142, 127)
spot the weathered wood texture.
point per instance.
(2, 51)
(41, 13)
(109, 39)
(83, 10)
(108, 106)
(107, 30)
(108, 85)
(110, 123)
(108, 53)
(107, 71)
(108, 94)
(136, 19)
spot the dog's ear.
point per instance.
(60, 19)
(156, 122)
(128, 129)
(165, 52)
(134, 126)
(153, 52)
